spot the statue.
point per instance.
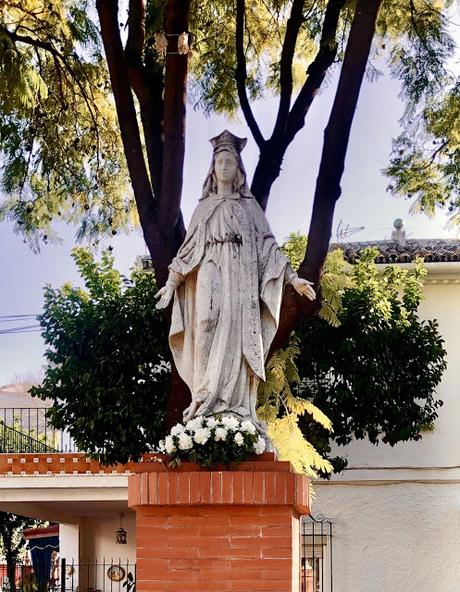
(227, 281)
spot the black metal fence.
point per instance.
(27, 429)
(63, 576)
(316, 573)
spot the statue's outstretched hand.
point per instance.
(165, 296)
(303, 287)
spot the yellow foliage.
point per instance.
(281, 409)
(293, 447)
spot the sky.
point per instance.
(364, 202)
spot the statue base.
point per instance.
(235, 529)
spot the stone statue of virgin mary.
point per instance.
(227, 281)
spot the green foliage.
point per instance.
(372, 366)
(334, 279)
(12, 542)
(107, 353)
(376, 373)
(425, 163)
(426, 159)
(59, 139)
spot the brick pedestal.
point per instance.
(218, 530)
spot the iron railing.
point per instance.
(27, 429)
(63, 576)
(316, 574)
(12, 440)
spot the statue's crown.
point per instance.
(227, 140)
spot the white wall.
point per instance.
(440, 448)
(402, 537)
(69, 542)
(396, 511)
(98, 546)
(97, 538)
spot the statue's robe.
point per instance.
(226, 311)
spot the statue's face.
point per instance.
(225, 167)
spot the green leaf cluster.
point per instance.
(334, 278)
(61, 151)
(108, 369)
(368, 362)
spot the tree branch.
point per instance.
(136, 28)
(108, 17)
(175, 91)
(134, 50)
(271, 156)
(336, 137)
(317, 70)
(337, 134)
(148, 87)
(287, 55)
(47, 46)
(241, 75)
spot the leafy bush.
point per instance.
(375, 374)
(108, 360)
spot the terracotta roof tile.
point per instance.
(432, 250)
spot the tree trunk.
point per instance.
(289, 123)
(11, 559)
(328, 189)
(337, 135)
(267, 170)
(175, 96)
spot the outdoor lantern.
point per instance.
(120, 534)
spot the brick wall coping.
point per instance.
(56, 463)
(77, 463)
(255, 484)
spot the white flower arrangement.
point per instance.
(212, 440)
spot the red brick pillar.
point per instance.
(218, 530)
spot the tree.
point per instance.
(108, 361)
(369, 363)
(12, 542)
(52, 57)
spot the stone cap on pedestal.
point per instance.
(263, 482)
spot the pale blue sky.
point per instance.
(364, 202)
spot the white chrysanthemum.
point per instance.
(211, 422)
(220, 434)
(169, 444)
(239, 438)
(194, 423)
(259, 445)
(161, 445)
(230, 422)
(185, 441)
(177, 429)
(248, 427)
(202, 435)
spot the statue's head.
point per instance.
(227, 165)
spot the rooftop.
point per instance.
(393, 251)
